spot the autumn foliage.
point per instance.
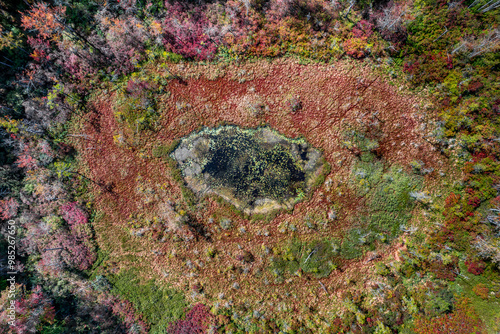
(464, 320)
(33, 311)
(62, 57)
(45, 20)
(197, 321)
(8, 208)
(73, 214)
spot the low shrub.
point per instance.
(163, 151)
(461, 321)
(160, 306)
(135, 105)
(197, 320)
(318, 257)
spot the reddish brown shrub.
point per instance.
(481, 290)
(463, 320)
(475, 267)
(196, 321)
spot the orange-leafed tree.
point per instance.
(46, 21)
(49, 25)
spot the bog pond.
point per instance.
(256, 170)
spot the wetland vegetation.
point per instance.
(250, 166)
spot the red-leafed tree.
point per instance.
(124, 40)
(186, 31)
(33, 310)
(124, 310)
(73, 215)
(26, 159)
(8, 208)
(65, 251)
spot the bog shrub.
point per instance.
(318, 258)
(135, 105)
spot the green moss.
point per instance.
(188, 196)
(487, 309)
(126, 242)
(102, 256)
(388, 205)
(351, 246)
(324, 173)
(160, 306)
(163, 151)
(381, 269)
(387, 197)
(135, 104)
(354, 139)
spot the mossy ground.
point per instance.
(486, 303)
(158, 303)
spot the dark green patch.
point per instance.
(163, 151)
(54, 329)
(160, 306)
(388, 205)
(351, 245)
